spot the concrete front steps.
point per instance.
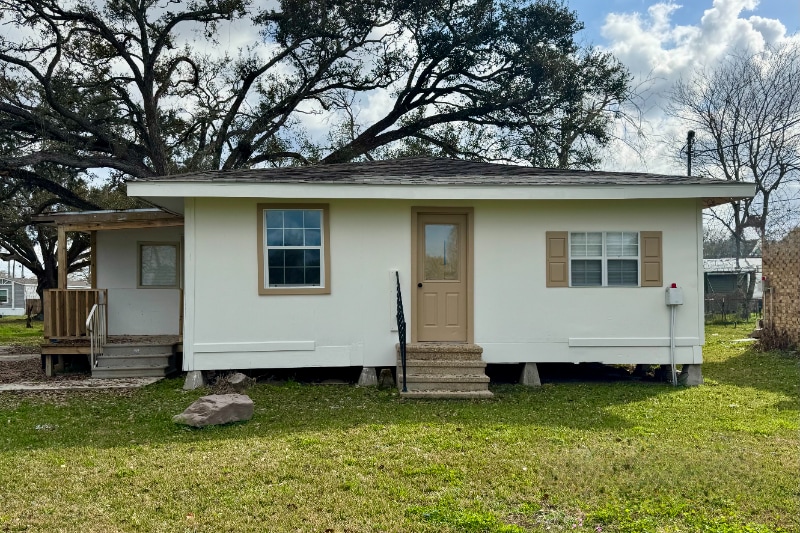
(438, 370)
(135, 361)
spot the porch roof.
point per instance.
(109, 219)
(435, 178)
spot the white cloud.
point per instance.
(659, 52)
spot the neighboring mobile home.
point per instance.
(12, 297)
(297, 267)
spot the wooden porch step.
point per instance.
(130, 371)
(151, 359)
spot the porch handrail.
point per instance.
(96, 328)
(401, 329)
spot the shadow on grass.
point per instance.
(145, 416)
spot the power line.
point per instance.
(736, 145)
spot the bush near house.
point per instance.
(588, 457)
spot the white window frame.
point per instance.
(604, 258)
(4, 291)
(264, 287)
(139, 281)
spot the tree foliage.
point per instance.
(120, 85)
(746, 113)
(143, 88)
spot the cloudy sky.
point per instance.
(661, 41)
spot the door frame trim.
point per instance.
(470, 267)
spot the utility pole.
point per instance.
(689, 146)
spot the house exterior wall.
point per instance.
(516, 318)
(131, 310)
(15, 305)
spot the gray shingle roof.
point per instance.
(431, 171)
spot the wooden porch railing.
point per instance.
(66, 311)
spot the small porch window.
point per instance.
(159, 265)
(3, 296)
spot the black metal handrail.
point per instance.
(401, 329)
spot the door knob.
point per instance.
(419, 284)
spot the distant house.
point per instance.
(12, 297)
(727, 284)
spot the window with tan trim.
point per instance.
(604, 259)
(293, 250)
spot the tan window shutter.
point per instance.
(651, 259)
(557, 259)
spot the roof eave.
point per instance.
(712, 194)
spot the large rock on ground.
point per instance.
(216, 409)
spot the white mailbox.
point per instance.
(674, 295)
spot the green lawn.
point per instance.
(14, 332)
(587, 457)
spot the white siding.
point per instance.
(228, 325)
(134, 311)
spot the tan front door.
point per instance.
(441, 281)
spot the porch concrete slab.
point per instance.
(79, 384)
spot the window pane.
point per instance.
(623, 272)
(276, 277)
(311, 258)
(294, 258)
(275, 237)
(313, 237)
(312, 276)
(275, 258)
(293, 218)
(441, 251)
(630, 244)
(586, 273)
(293, 237)
(3, 295)
(294, 276)
(614, 244)
(274, 218)
(159, 265)
(586, 244)
(313, 218)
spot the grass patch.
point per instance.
(14, 333)
(611, 457)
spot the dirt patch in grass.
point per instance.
(31, 370)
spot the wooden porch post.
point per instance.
(93, 259)
(62, 257)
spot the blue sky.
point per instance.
(593, 13)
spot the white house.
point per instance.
(528, 265)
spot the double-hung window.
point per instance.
(3, 296)
(293, 249)
(600, 259)
(604, 259)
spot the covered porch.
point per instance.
(130, 318)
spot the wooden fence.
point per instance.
(782, 289)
